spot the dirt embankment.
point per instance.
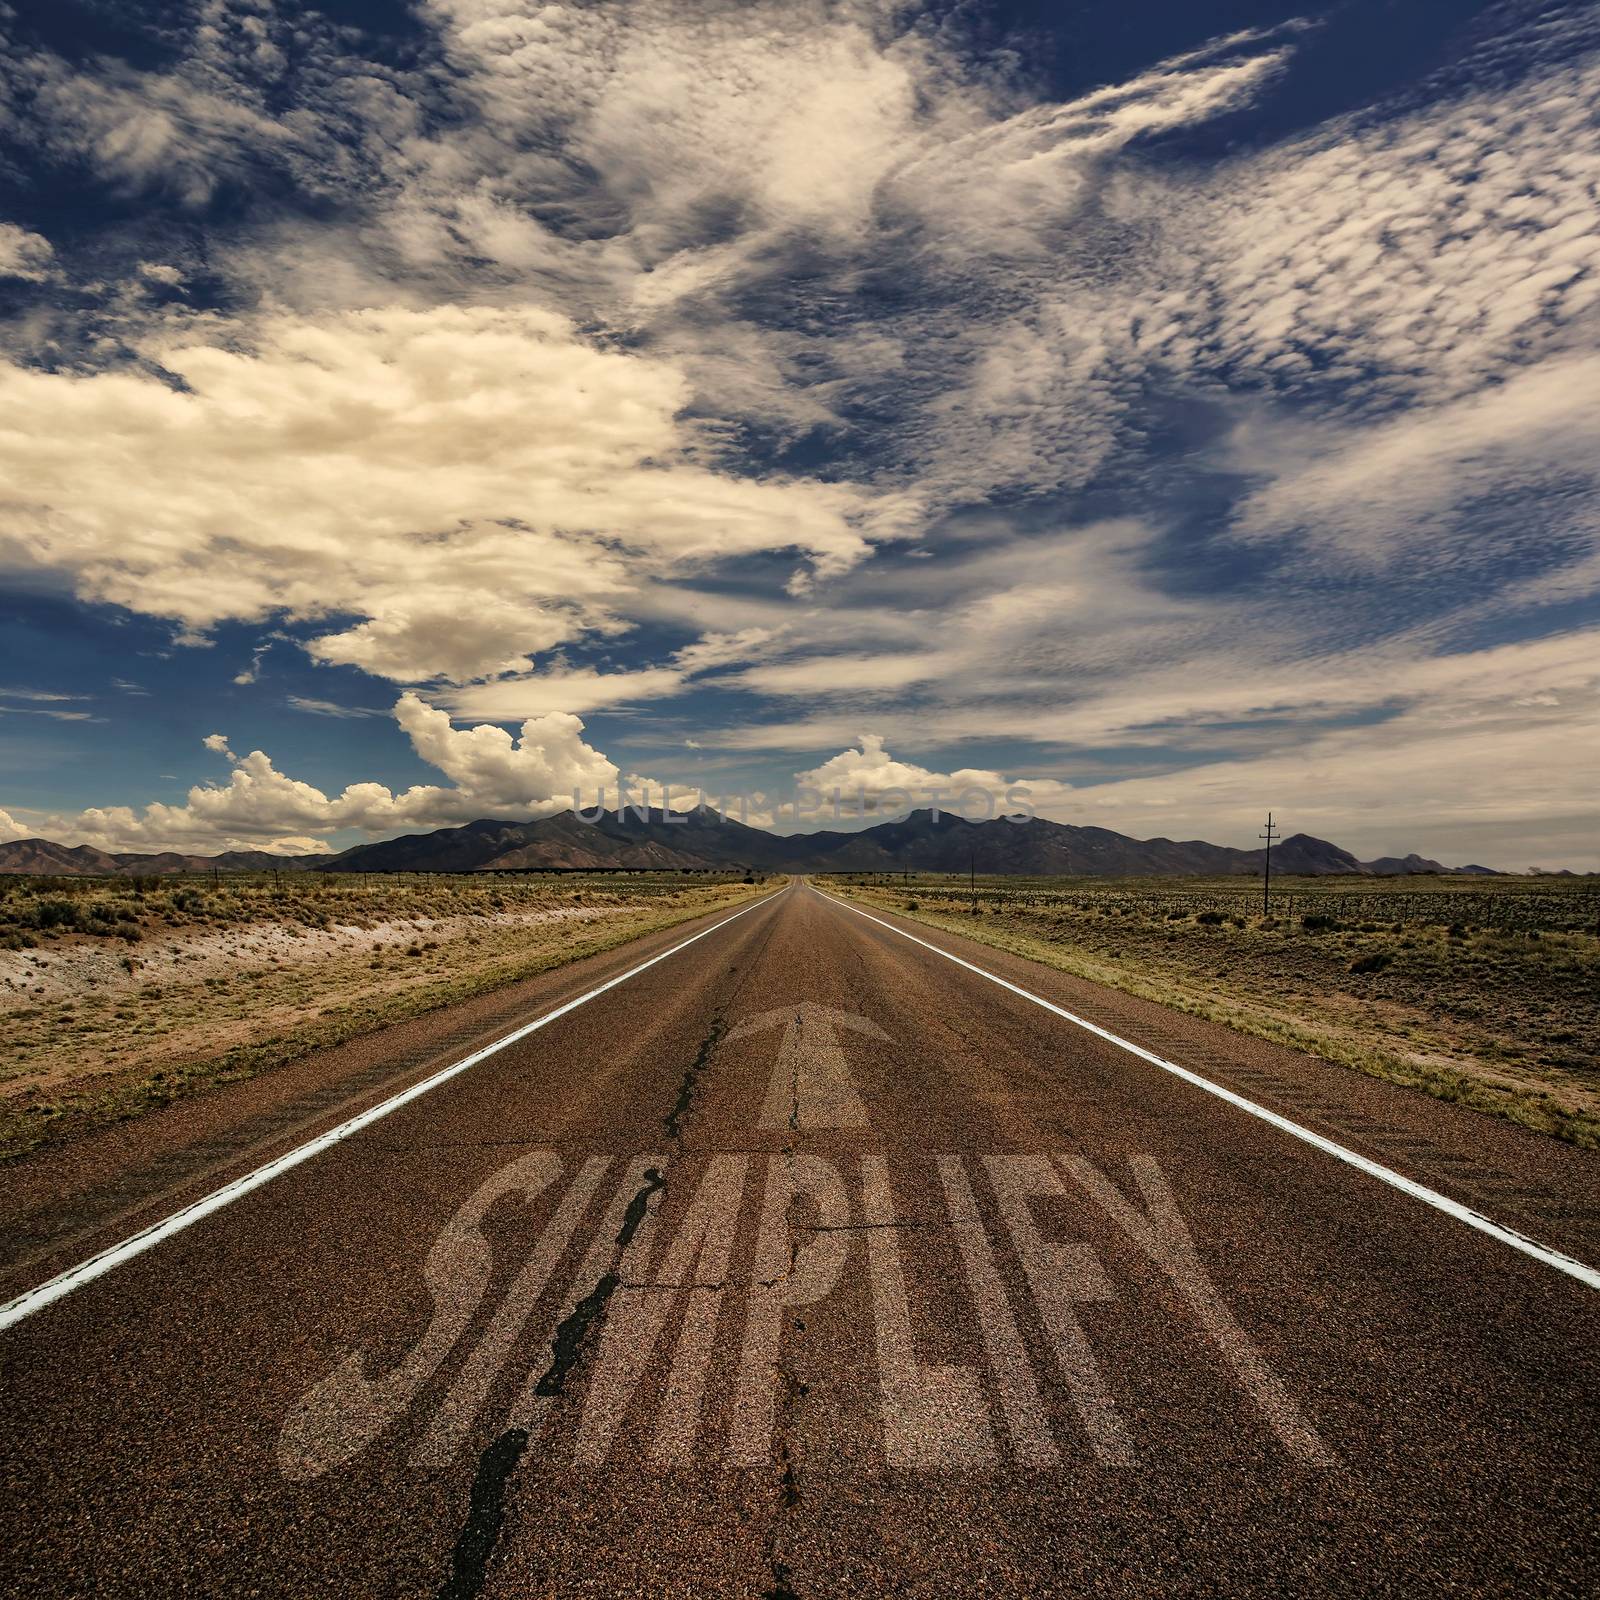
(85, 967)
(112, 1003)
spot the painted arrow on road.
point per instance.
(811, 1082)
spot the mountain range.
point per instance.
(705, 840)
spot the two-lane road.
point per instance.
(806, 1261)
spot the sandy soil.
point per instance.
(73, 970)
(94, 1029)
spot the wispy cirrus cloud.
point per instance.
(43, 703)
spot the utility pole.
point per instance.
(1266, 876)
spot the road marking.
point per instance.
(460, 1407)
(935, 1418)
(696, 1261)
(811, 1083)
(638, 1300)
(1008, 1361)
(147, 1238)
(786, 1273)
(1061, 1276)
(342, 1415)
(1397, 1180)
(612, 1255)
(1159, 1231)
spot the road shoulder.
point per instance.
(62, 1202)
(1525, 1180)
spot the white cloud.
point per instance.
(542, 769)
(329, 708)
(714, 650)
(1455, 762)
(11, 829)
(1407, 257)
(1463, 772)
(873, 771)
(844, 674)
(1380, 491)
(871, 774)
(252, 672)
(539, 694)
(188, 132)
(43, 703)
(25, 255)
(996, 623)
(1001, 187)
(490, 402)
(473, 484)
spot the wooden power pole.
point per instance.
(1266, 876)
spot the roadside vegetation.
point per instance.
(1484, 992)
(117, 995)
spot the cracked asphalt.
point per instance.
(807, 1263)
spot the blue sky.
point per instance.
(417, 413)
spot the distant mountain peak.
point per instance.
(705, 839)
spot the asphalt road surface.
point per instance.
(807, 1262)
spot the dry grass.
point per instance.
(1482, 992)
(133, 999)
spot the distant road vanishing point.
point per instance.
(805, 1252)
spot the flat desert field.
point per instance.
(1484, 991)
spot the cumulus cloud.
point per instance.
(543, 767)
(11, 829)
(871, 774)
(538, 771)
(472, 484)
(873, 771)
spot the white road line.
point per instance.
(136, 1244)
(1373, 1169)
